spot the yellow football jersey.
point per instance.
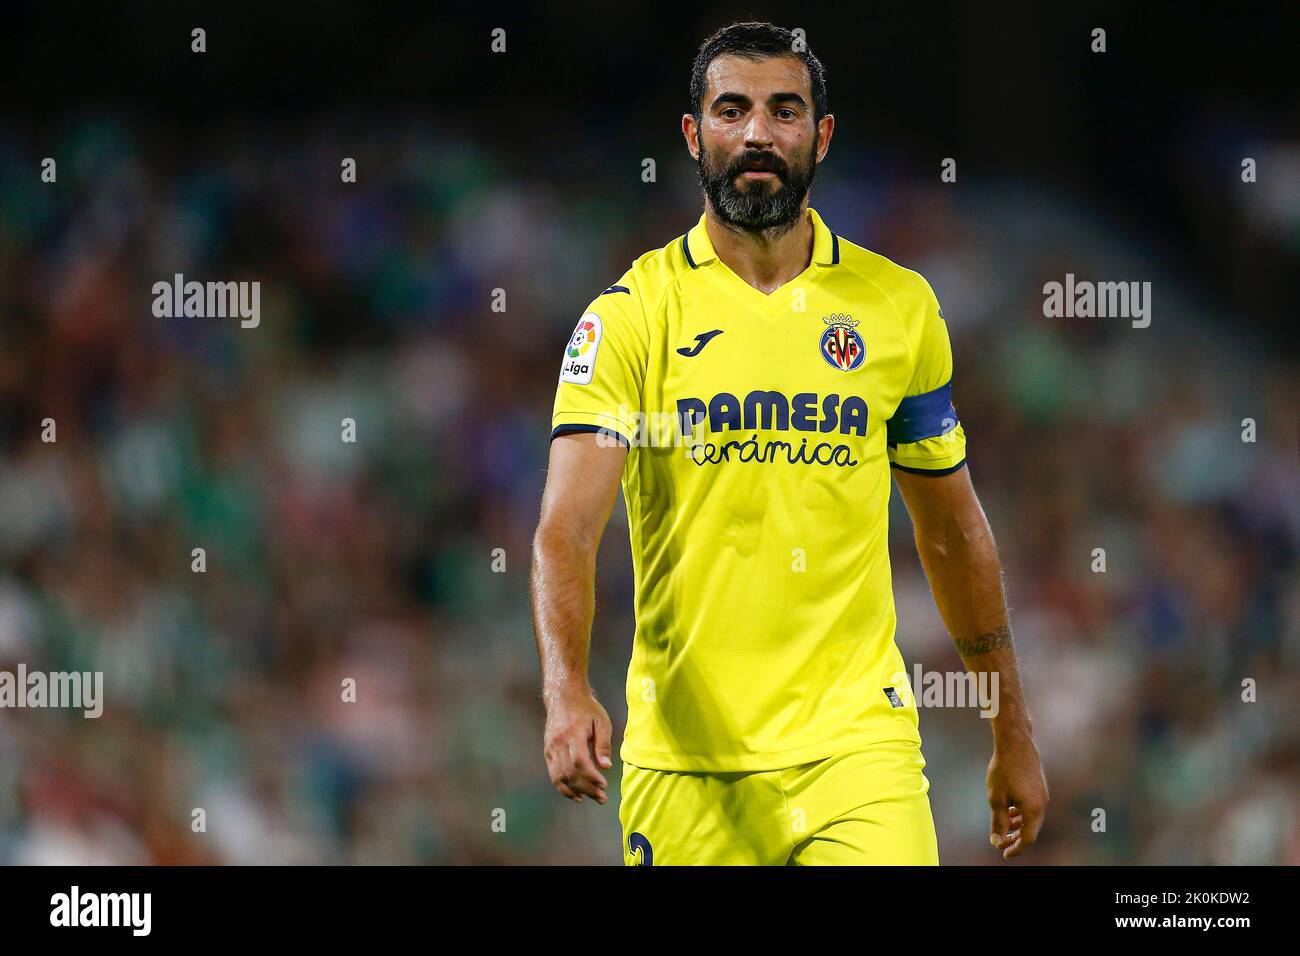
(762, 430)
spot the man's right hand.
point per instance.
(581, 488)
(577, 745)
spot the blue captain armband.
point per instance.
(923, 416)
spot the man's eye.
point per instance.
(731, 112)
(786, 114)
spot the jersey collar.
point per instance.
(699, 250)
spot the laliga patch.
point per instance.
(580, 355)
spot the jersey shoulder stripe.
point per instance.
(654, 274)
(907, 292)
(905, 287)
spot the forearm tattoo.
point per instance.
(985, 643)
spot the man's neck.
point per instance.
(765, 262)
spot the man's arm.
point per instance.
(960, 559)
(581, 488)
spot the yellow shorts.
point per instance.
(863, 808)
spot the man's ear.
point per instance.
(691, 125)
(826, 123)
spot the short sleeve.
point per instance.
(924, 434)
(602, 372)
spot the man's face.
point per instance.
(758, 145)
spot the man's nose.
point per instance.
(759, 130)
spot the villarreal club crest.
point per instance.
(841, 346)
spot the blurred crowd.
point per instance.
(399, 561)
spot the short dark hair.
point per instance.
(757, 41)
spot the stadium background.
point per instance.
(522, 171)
